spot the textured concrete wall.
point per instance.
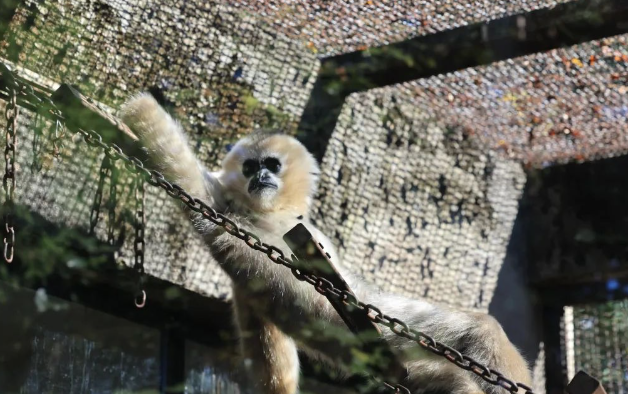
(223, 71)
(417, 206)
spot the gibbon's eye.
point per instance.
(272, 164)
(249, 167)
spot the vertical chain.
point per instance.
(57, 139)
(139, 243)
(112, 202)
(36, 163)
(105, 169)
(8, 180)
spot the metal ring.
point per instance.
(142, 303)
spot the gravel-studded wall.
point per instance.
(64, 189)
(373, 23)
(224, 73)
(564, 105)
(416, 206)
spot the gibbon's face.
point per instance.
(269, 173)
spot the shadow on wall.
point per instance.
(514, 302)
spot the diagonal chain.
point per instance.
(276, 255)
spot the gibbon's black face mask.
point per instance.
(261, 173)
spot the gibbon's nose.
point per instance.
(264, 175)
(262, 179)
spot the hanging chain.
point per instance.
(276, 255)
(57, 139)
(139, 243)
(94, 215)
(36, 163)
(8, 180)
(112, 202)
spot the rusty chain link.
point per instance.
(276, 255)
(8, 180)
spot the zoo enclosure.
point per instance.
(251, 88)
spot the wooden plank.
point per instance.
(310, 257)
(583, 383)
(81, 112)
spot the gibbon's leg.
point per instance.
(501, 354)
(167, 145)
(479, 336)
(269, 356)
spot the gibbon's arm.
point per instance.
(168, 148)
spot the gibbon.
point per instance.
(266, 185)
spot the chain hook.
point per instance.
(140, 299)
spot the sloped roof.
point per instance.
(332, 27)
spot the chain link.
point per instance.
(139, 243)
(36, 163)
(94, 215)
(277, 256)
(112, 202)
(57, 139)
(8, 180)
(396, 388)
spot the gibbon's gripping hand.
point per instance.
(166, 143)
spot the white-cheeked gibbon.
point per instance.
(266, 185)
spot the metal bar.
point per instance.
(172, 359)
(555, 375)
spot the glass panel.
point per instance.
(209, 370)
(50, 346)
(596, 341)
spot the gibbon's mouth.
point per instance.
(257, 185)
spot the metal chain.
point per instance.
(157, 179)
(105, 170)
(8, 180)
(139, 243)
(323, 286)
(36, 163)
(112, 202)
(57, 139)
(276, 255)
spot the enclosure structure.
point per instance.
(456, 145)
